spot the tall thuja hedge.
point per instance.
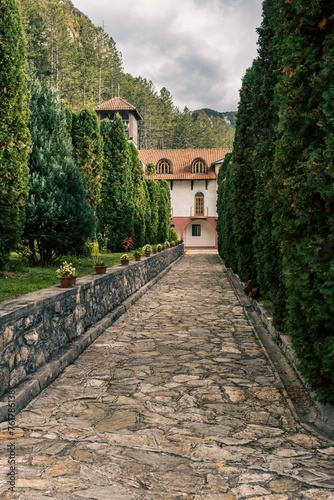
(14, 132)
(164, 211)
(88, 154)
(244, 183)
(153, 193)
(304, 176)
(115, 212)
(265, 131)
(58, 217)
(225, 210)
(139, 199)
(147, 214)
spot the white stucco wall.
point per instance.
(207, 238)
(183, 197)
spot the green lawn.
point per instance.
(20, 278)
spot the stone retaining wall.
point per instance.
(36, 327)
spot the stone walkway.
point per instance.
(175, 401)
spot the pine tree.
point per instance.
(203, 130)
(34, 20)
(88, 154)
(58, 217)
(115, 213)
(14, 133)
(184, 135)
(167, 112)
(224, 133)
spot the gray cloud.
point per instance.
(198, 49)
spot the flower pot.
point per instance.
(124, 262)
(67, 281)
(100, 269)
(159, 249)
(154, 252)
(137, 257)
(147, 254)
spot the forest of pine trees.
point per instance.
(64, 180)
(82, 62)
(275, 194)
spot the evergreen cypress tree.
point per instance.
(88, 154)
(265, 131)
(115, 213)
(153, 192)
(148, 238)
(139, 199)
(164, 211)
(225, 208)
(304, 176)
(14, 132)
(244, 183)
(58, 217)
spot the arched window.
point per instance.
(198, 166)
(199, 204)
(164, 167)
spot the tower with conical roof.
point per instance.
(128, 112)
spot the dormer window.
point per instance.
(164, 167)
(198, 166)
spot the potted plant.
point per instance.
(147, 249)
(125, 259)
(167, 244)
(100, 267)
(159, 247)
(66, 274)
(154, 249)
(137, 255)
(173, 243)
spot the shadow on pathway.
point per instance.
(175, 400)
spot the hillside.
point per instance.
(82, 61)
(230, 117)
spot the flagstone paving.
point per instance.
(175, 400)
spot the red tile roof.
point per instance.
(181, 160)
(117, 104)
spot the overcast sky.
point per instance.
(198, 49)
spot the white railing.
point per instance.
(204, 214)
